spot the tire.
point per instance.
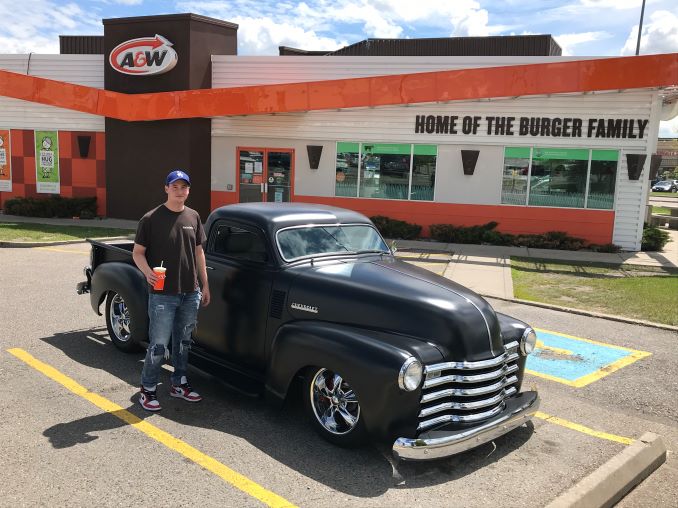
(333, 408)
(120, 321)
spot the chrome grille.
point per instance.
(464, 392)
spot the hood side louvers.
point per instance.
(277, 303)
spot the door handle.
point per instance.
(262, 187)
(265, 187)
(209, 267)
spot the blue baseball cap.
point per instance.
(177, 175)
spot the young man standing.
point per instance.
(171, 236)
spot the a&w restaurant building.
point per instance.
(536, 143)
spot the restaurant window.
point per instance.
(348, 155)
(386, 171)
(516, 170)
(559, 177)
(602, 179)
(424, 172)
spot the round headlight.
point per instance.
(411, 374)
(528, 341)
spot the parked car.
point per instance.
(665, 186)
(380, 347)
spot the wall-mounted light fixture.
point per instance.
(655, 162)
(469, 158)
(634, 164)
(314, 153)
(83, 145)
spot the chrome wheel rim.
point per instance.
(334, 402)
(119, 318)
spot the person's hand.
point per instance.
(151, 277)
(205, 300)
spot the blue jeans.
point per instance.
(170, 317)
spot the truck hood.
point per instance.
(387, 294)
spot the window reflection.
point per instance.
(325, 240)
(347, 169)
(386, 171)
(558, 177)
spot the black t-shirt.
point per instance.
(171, 238)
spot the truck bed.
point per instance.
(107, 252)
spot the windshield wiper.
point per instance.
(336, 240)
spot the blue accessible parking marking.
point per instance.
(575, 361)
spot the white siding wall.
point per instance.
(232, 71)
(87, 70)
(632, 195)
(397, 124)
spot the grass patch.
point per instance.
(664, 195)
(28, 232)
(639, 292)
(661, 210)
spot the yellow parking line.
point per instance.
(609, 369)
(540, 345)
(582, 428)
(225, 473)
(552, 378)
(591, 341)
(598, 374)
(56, 249)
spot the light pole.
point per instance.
(640, 28)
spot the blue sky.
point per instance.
(581, 27)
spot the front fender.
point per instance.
(127, 281)
(370, 361)
(512, 330)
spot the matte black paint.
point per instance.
(373, 312)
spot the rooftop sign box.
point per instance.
(144, 56)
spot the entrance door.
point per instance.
(265, 174)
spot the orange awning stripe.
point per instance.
(511, 81)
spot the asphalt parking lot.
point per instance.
(73, 434)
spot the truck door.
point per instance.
(240, 274)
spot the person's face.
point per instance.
(177, 191)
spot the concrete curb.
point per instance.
(20, 245)
(614, 479)
(582, 312)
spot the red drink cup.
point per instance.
(160, 282)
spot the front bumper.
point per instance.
(443, 443)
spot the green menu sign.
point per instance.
(47, 162)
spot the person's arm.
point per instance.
(201, 265)
(139, 257)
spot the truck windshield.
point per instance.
(321, 240)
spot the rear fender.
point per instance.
(369, 360)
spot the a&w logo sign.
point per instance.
(144, 56)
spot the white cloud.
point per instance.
(660, 35)
(35, 25)
(612, 4)
(263, 36)
(669, 129)
(378, 18)
(567, 41)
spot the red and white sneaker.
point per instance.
(148, 400)
(184, 391)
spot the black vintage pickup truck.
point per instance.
(382, 348)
